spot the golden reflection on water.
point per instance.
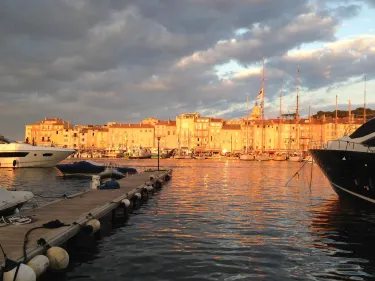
(236, 219)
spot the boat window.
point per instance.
(6, 141)
(47, 154)
(364, 130)
(13, 154)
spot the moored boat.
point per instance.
(279, 156)
(12, 200)
(295, 157)
(262, 157)
(247, 157)
(349, 162)
(89, 168)
(20, 155)
(140, 153)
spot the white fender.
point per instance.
(25, 273)
(138, 195)
(150, 188)
(126, 202)
(39, 264)
(95, 224)
(58, 258)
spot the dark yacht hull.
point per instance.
(350, 173)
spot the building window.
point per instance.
(169, 133)
(57, 132)
(42, 138)
(93, 133)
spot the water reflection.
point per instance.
(345, 232)
(227, 220)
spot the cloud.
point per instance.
(101, 60)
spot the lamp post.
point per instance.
(158, 153)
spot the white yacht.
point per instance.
(22, 155)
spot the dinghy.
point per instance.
(11, 200)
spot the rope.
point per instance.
(296, 172)
(49, 225)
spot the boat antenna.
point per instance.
(364, 107)
(336, 119)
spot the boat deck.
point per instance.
(79, 209)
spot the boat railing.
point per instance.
(348, 145)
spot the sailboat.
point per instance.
(247, 156)
(296, 156)
(262, 156)
(280, 156)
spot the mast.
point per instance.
(263, 88)
(262, 107)
(298, 83)
(350, 112)
(364, 107)
(247, 123)
(297, 110)
(310, 137)
(280, 118)
(336, 119)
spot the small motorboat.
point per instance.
(295, 157)
(11, 200)
(262, 157)
(247, 157)
(279, 156)
(112, 173)
(89, 168)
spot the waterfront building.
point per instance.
(195, 132)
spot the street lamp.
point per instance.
(158, 153)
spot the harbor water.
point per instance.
(223, 220)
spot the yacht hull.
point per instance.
(295, 159)
(247, 157)
(350, 173)
(39, 158)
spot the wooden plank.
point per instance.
(68, 211)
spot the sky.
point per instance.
(95, 61)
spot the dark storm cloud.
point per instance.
(93, 61)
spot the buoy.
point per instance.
(39, 264)
(138, 195)
(158, 184)
(152, 177)
(144, 193)
(58, 258)
(126, 202)
(25, 273)
(92, 226)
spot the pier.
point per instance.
(75, 211)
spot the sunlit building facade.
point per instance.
(194, 132)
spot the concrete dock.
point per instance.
(74, 212)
